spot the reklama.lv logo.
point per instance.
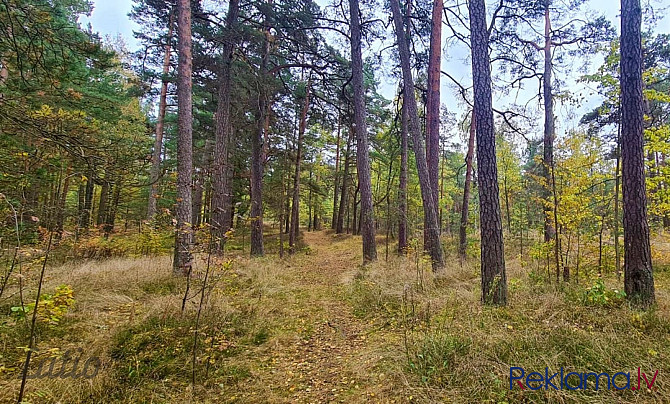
(577, 380)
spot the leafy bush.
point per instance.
(600, 295)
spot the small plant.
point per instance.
(600, 295)
(52, 308)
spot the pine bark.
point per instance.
(155, 172)
(344, 195)
(295, 208)
(402, 188)
(433, 101)
(221, 178)
(257, 154)
(184, 233)
(333, 223)
(494, 282)
(429, 203)
(367, 221)
(638, 274)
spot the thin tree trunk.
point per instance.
(557, 235)
(617, 181)
(433, 105)
(344, 195)
(104, 198)
(155, 172)
(221, 170)
(333, 223)
(507, 211)
(494, 282)
(198, 190)
(256, 211)
(638, 273)
(207, 202)
(548, 152)
(60, 213)
(81, 198)
(600, 245)
(354, 227)
(283, 211)
(579, 256)
(402, 188)
(88, 202)
(427, 194)
(309, 202)
(316, 206)
(441, 208)
(465, 207)
(110, 220)
(184, 233)
(362, 153)
(295, 208)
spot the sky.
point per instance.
(110, 17)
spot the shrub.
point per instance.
(600, 295)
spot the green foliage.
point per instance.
(52, 307)
(598, 294)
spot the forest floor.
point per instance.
(318, 328)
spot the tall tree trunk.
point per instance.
(184, 233)
(257, 162)
(221, 178)
(494, 282)
(442, 168)
(638, 273)
(548, 152)
(333, 223)
(402, 188)
(362, 153)
(281, 220)
(344, 195)
(316, 205)
(427, 194)
(155, 172)
(309, 202)
(295, 208)
(433, 104)
(465, 207)
(287, 214)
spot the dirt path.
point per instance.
(322, 362)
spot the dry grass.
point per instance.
(318, 327)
